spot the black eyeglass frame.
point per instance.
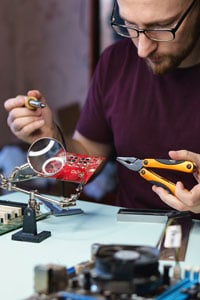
(172, 30)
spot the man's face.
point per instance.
(164, 56)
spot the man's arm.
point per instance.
(29, 125)
(81, 144)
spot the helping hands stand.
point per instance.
(48, 158)
(29, 231)
(57, 208)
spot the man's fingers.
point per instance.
(185, 155)
(35, 93)
(168, 198)
(21, 123)
(183, 200)
(14, 103)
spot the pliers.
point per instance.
(141, 165)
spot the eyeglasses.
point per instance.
(159, 34)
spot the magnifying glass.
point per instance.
(46, 156)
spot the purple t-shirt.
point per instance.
(142, 115)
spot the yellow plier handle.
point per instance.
(176, 165)
(158, 180)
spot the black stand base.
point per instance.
(29, 231)
(28, 237)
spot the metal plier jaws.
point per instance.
(141, 165)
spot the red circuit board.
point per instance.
(77, 168)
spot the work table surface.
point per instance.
(70, 243)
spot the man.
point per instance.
(142, 102)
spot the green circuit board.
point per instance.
(16, 222)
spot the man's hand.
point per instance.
(29, 125)
(184, 200)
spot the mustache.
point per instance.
(159, 57)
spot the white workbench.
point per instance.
(70, 243)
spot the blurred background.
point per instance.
(50, 45)
(53, 46)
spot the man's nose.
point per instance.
(145, 46)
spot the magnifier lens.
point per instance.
(46, 156)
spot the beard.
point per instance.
(162, 63)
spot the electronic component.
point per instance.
(48, 158)
(79, 168)
(115, 272)
(11, 215)
(8, 213)
(127, 269)
(50, 279)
